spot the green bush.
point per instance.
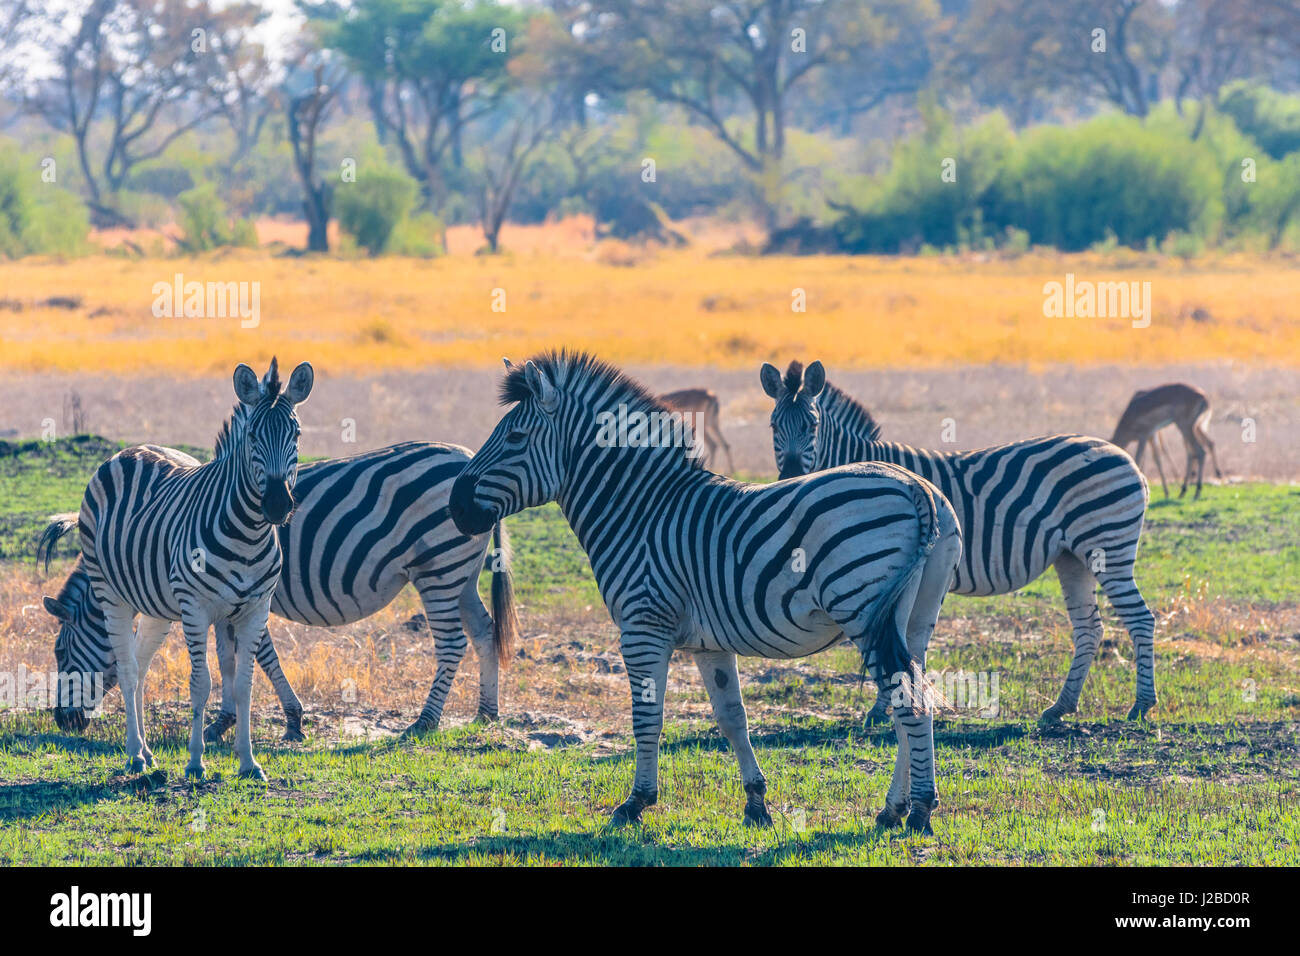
(206, 224)
(37, 218)
(372, 208)
(1270, 118)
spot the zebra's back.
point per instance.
(366, 525)
(1022, 504)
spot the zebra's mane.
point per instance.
(849, 412)
(231, 431)
(567, 367)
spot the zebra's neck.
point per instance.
(619, 487)
(846, 432)
(232, 470)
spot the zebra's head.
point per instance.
(82, 653)
(797, 415)
(270, 434)
(520, 464)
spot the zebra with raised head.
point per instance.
(363, 528)
(688, 559)
(1064, 501)
(195, 544)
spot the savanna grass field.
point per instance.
(952, 348)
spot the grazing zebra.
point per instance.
(688, 559)
(362, 529)
(195, 544)
(1065, 501)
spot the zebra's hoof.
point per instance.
(148, 758)
(1140, 708)
(1054, 714)
(630, 810)
(293, 734)
(255, 772)
(135, 765)
(890, 817)
(194, 773)
(876, 716)
(485, 716)
(420, 728)
(756, 815)
(918, 821)
(213, 733)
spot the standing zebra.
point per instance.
(1065, 501)
(362, 529)
(688, 559)
(195, 544)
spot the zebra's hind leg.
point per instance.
(150, 632)
(442, 612)
(879, 712)
(196, 641)
(1079, 588)
(718, 669)
(225, 718)
(477, 622)
(269, 661)
(1127, 601)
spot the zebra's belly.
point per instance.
(332, 603)
(806, 631)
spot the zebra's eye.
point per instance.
(516, 439)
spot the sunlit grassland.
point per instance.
(680, 307)
(1213, 778)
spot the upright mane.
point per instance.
(849, 411)
(231, 431)
(567, 367)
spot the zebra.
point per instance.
(1066, 501)
(364, 526)
(688, 559)
(172, 541)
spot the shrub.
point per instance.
(206, 224)
(1270, 118)
(37, 218)
(372, 208)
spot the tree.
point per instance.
(240, 79)
(307, 108)
(710, 57)
(136, 64)
(431, 68)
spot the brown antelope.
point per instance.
(701, 402)
(1174, 404)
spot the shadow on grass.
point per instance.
(629, 848)
(20, 801)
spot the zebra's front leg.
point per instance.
(718, 669)
(149, 634)
(645, 655)
(1079, 588)
(225, 718)
(121, 634)
(195, 627)
(248, 635)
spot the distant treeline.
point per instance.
(847, 125)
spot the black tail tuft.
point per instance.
(59, 526)
(505, 621)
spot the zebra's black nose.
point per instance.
(277, 501)
(790, 468)
(71, 719)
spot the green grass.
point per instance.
(1213, 779)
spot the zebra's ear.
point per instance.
(771, 379)
(300, 383)
(814, 379)
(510, 366)
(247, 387)
(541, 387)
(57, 609)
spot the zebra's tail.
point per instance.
(505, 622)
(884, 639)
(59, 525)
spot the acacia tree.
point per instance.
(137, 65)
(713, 58)
(307, 105)
(431, 68)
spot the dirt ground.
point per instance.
(987, 405)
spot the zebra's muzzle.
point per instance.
(790, 468)
(467, 514)
(277, 501)
(71, 719)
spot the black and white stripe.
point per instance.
(1064, 501)
(172, 540)
(688, 559)
(363, 528)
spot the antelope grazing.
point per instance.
(1178, 404)
(702, 402)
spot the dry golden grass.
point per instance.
(633, 304)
